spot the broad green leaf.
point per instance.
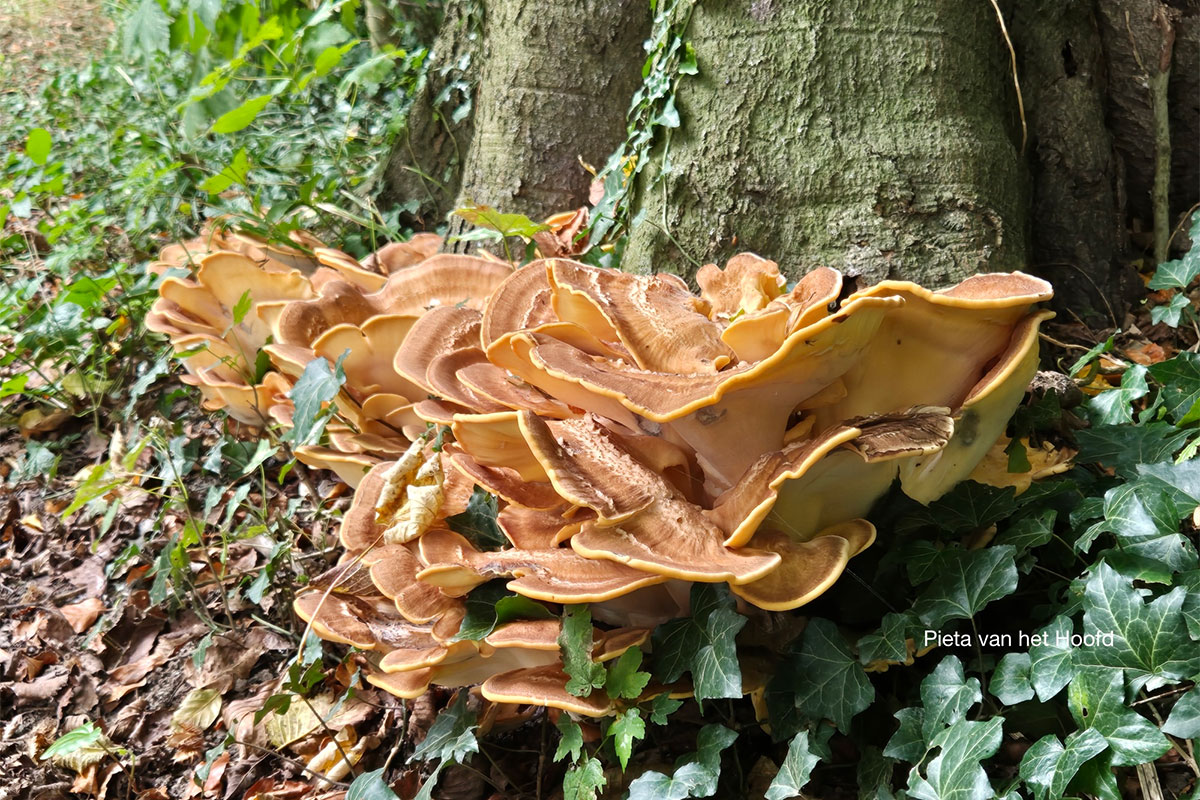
(452, 735)
(1180, 379)
(955, 773)
(703, 644)
(695, 775)
(969, 506)
(834, 685)
(370, 73)
(575, 642)
(794, 773)
(1092, 354)
(1010, 681)
(1096, 698)
(583, 781)
(478, 523)
(147, 29)
(236, 171)
(625, 680)
(1096, 778)
(370, 786)
(491, 605)
(908, 743)
(626, 729)
(946, 696)
(1171, 313)
(1114, 406)
(79, 747)
(970, 579)
(1178, 274)
(505, 224)
(1048, 766)
(1149, 640)
(318, 385)
(1029, 532)
(571, 738)
(1123, 447)
(14, 385)
(663, 707)
(875, 775)
(240, 117)
(37, 145)
(1184, 721)
(889, 643)
(1050, 660)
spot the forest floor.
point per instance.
(36, 36)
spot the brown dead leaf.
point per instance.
(1146, 353)
(38, 691)
(36, 421)
(231, 657)
(81, 616)
(273, 789)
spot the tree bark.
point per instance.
(1078, 231)
(877, 136)
(423, 172)
(554, 87)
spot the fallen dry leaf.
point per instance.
(81, 616)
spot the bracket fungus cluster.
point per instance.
(637, 437)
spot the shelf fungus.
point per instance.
(569, 434)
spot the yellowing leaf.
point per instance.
(298, 721)
(412, 495)
(1044, 461)
(198, 710)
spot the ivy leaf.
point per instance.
(626, 729)
(968, 506)
(370, 786)
(1172, 312)
(478, 523)
(572, 738)
(695, 775)
(583, 781)
(490, 605)
(955, 774)
(1096, 698)
(889, 643)
(624, 680)
(908, 743)
(452, 735)
(703, 644)
(947, 695)
(1113, 407)
(1010, 681)
(1029, 532)
(1048, 766)
(834, 685)
(875, 775)
(970, 580)
(1123, 447)
(1150, 640)
(795, 771)
(1184, 721)
(1181, 272)
(575, 642)
(1051, 665)
(663, 707)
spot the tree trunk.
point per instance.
(877, 136)
(517, 94)
(1078, 231)
(554, 86)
